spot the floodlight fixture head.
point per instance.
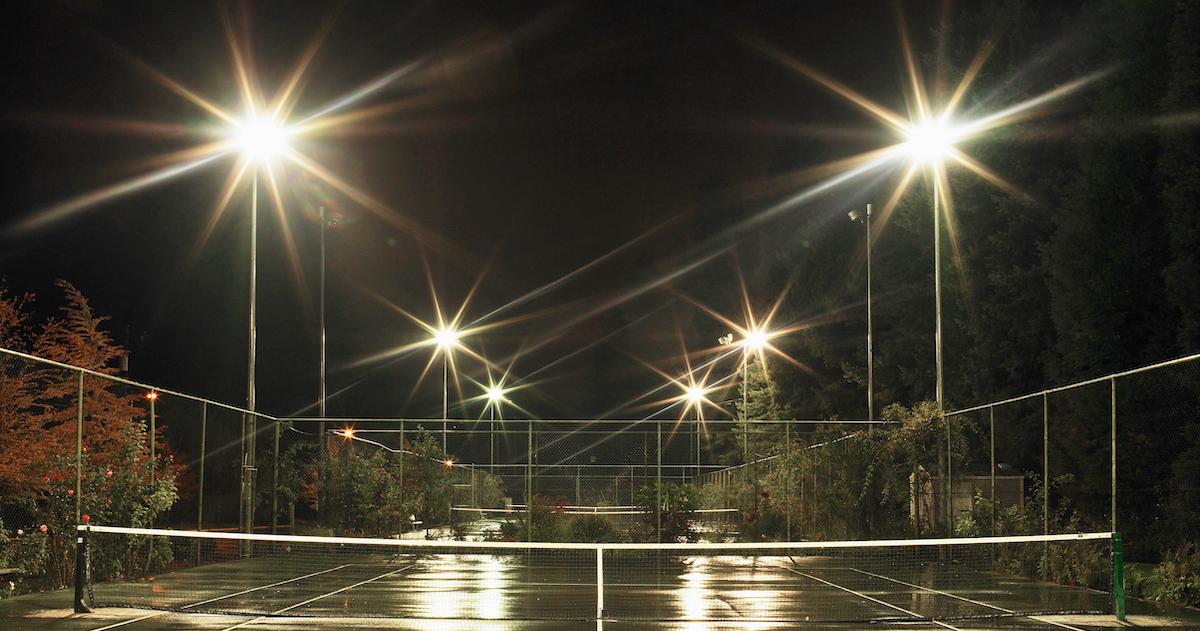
(446, 338)
(495, 394)
(853, 215)
(930, 140)
(695, 394)
(260, 138)
(755, 340)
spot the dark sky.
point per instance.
(530, 139)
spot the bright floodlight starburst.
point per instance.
(258, 135)
(930, 140)
(495, 394)
(446, 338)
(261, 139)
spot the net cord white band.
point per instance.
(538, 545)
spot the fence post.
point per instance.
(992, 469)
(1045, 463)
(153, 396)
(79, 449)
(949, 475)
(658, 484)
(787, 479)
(401, 474)
(1112, 393)
(529, 482)
(203, 452)
(275, 482)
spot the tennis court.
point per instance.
(263, 581)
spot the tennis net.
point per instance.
(897, 582)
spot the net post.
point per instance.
(81, 569)
(79, 449)
(1118, 560)
(599, 587)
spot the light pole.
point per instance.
(322, 447)
(446, 340)
(866, 221)
(928, 143)
(260, 140)
(695, 397)
(495, 397)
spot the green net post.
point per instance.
(1118, 560)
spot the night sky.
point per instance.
(530, 139)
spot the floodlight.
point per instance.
(346, 432)
(495, 394)
(695, 394)
(930, 140)
(151, 396)
(853, 215)
(260, 139)
(446, 338)
(755, 339)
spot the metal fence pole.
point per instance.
(949, 473)
(1112, 393)
(658, 485)
(529, 482)
(787, 478)
(1045, 464)
(275, 482)
(401, 472)
(992, 468)
(203, 453)
(79, 450)
(153, 464)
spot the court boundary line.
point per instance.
(316, 598)
(965, 599)
(876, 600)
(254, 589)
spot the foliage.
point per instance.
(670, 509)
(119, 483)
(1178, 576)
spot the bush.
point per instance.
(1178, 576)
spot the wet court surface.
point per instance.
(451, 592)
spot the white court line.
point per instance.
(254, 589)
(875, 600)
(131, 620)
(315, 598)
(964, 599)
(204, 602)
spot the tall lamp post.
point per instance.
(695, 397)
(446, 340)
(495, 397)
(927, 144)
(260, 140)
(866, 221)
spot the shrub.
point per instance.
(1179, 576)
